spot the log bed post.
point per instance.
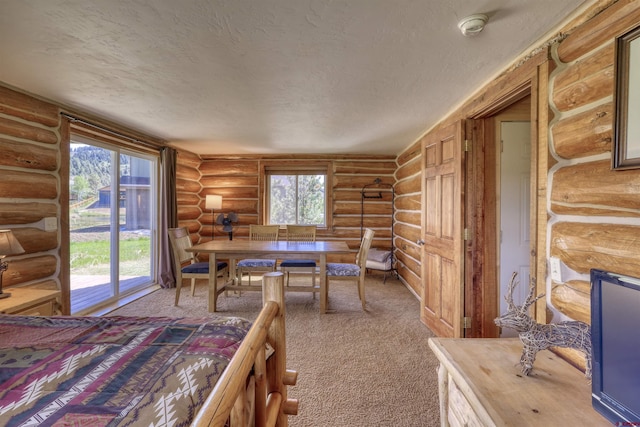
(270, 403)
(277, 375)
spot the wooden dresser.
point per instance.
(480, 384)
(30, 302)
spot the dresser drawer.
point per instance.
(43, 309)
(30, 302)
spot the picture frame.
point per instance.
(626, 141)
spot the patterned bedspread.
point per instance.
(111, 371)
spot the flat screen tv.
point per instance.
(615, 335)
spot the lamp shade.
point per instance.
(9, 245)
(213, 201)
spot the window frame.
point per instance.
(297, 168)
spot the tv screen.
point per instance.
(615, 335)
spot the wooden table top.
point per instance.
(247, 247)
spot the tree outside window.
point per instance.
(297, 199)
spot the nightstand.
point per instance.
(30, 302)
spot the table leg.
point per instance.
(213, 282)
(324, 294)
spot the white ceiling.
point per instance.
(267, 76)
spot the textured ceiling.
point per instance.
(266, 76)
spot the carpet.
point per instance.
(355, 368)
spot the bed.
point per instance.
(151, 371)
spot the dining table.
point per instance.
(234, 250)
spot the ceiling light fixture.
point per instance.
(473, 24)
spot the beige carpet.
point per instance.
(354, 368)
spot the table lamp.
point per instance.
(9, 245)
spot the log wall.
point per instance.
(408, 218)
(30, 138)
(238, 179)
(594, 212)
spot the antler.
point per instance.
(531, 298)
(509, 296)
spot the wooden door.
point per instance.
(443, 210)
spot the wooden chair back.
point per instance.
(180, 241)
(342, 271)
(301, 233)
(266, 233)
(363, 252)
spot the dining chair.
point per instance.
(265, 233)
(187, 265)
(356, 271)
(300, 233)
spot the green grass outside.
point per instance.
(93, 257)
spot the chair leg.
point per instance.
(225, 279)
(361, 293)
(193, 287)
(313, 281)
(239, 280)
(178, 288)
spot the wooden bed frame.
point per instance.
(253, 388)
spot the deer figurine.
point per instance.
(536, 336)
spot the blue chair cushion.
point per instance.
(340, 269)
(201, 267)
(297, 263)
(253, 263)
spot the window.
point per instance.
(296, 196)
(112, 210)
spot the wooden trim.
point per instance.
(64, 250)
(505, 100)
(275, 166)
(508, 88)
(483, 280)
(539, 184)
(295, 157)
(102, 134)
(84, 123)
(480, 211)
(474, 133)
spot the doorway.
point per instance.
(475, 280)
(513, 139)
(497, 216)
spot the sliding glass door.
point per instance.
(112, 221)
